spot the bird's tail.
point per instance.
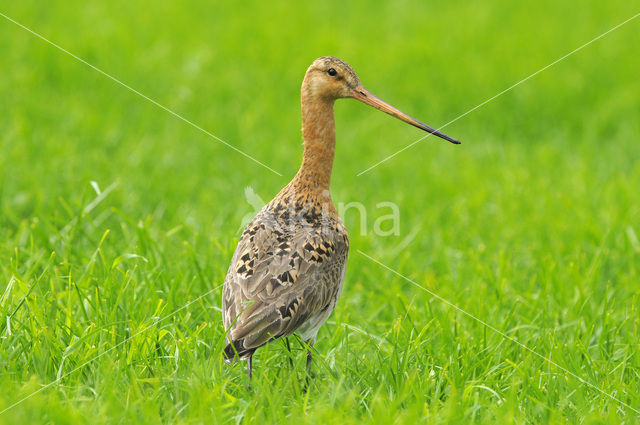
(236, 350)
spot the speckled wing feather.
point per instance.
(286, 275)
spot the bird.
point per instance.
(288, 268)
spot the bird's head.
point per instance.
(331, 78)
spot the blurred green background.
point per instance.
(532, 224)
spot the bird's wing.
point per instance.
(277, 280)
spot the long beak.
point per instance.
(365, 96)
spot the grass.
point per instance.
(114, 214)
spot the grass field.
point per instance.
(116, 217)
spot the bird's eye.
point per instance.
(332, 72)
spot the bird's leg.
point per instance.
(249, 370)
(286, 340)
(311, 343)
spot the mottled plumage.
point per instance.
(286, 274)
(289, 266)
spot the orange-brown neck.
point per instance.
(319, 135)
